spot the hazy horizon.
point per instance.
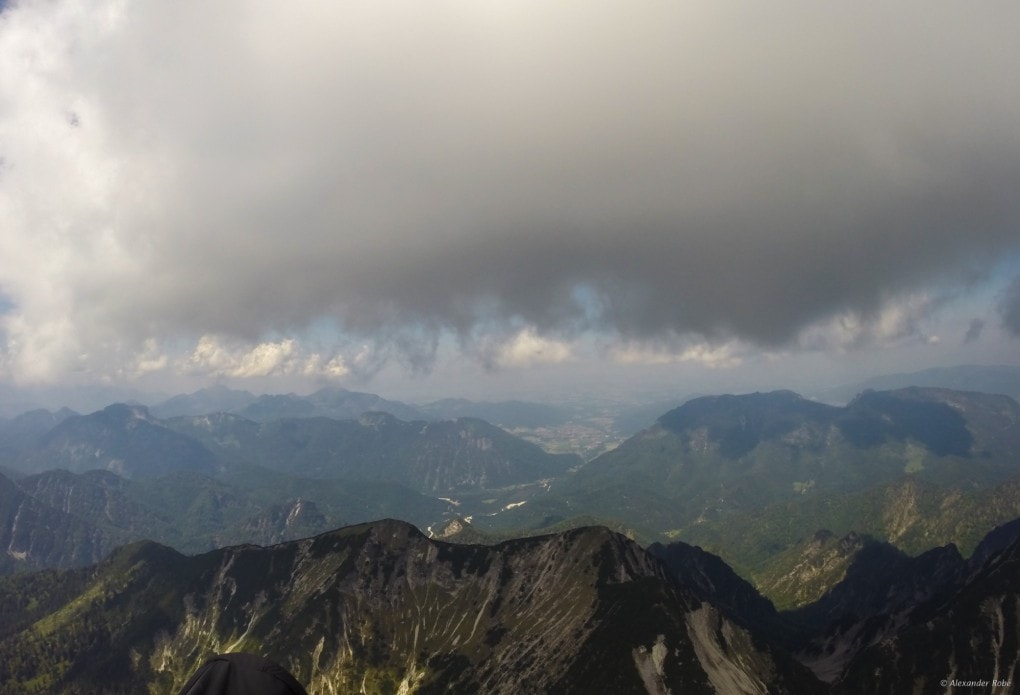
(89, 398)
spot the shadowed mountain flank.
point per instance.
(380, 607)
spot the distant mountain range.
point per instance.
(381, 608)
(63, 519)
(435, 457)
(440, 458)
(124, 439)
(80, 485)
(983, 379)
(751, 477)
(341, 404)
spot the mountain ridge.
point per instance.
(747, 477)
(714, 459)
(378, 607)
(585, 609)
(991, 379)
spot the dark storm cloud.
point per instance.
(974, 330)
(647, 170)
(1009, 307)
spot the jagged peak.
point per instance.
(128, 411)
(996, 540)
(382, 531)
(145, 551)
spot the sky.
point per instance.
(494, 199)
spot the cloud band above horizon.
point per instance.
(649, 172)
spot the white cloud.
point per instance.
(723, 356)
(152, 359)
(904, 320)
(213, 357)
(524, 348)
(316, 366)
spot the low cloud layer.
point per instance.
(183, 177)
